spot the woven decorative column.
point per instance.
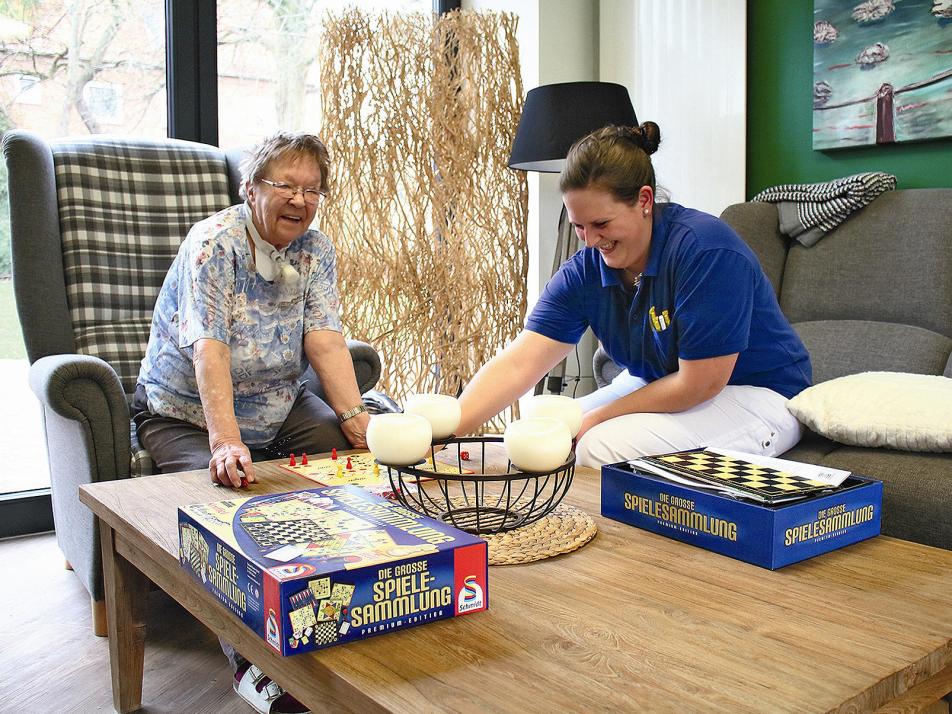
(430, 225)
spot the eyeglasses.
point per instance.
(311, 195)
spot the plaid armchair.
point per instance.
(95, 225)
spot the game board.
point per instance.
(363, 470)
(760, 482)
(353, 469)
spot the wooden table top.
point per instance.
(631, 621)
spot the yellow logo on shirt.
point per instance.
(659, 322)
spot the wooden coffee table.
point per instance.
(631, 621)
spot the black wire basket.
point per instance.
(459, 491)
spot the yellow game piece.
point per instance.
(376, 469)
(340, 469)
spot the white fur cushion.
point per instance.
(912, 412)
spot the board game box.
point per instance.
(768, 535)
(314, 568)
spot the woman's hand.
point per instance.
(355, 429)
(228, 457)
(589, 419)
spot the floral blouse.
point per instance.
(213, 291)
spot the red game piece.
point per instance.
(334, 454)
(464, 455)
(292, 462)
(244, 482)
(303, 459)
(350, 466)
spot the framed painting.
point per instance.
(882, 71)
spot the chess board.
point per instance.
(760, 482)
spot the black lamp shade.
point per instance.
(555, 116)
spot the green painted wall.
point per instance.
(779, 112)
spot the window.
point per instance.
(72, 67)
(85, 67)
(268, 71)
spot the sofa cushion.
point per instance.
(758, 225)
(889, 262)
(915, 490)
(841, 347)
(893, 409)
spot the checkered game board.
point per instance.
(762, 482)
(271, 534)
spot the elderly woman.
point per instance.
(249, 301)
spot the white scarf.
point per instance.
(270, 262)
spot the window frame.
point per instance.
(191, 67)
(191, 61)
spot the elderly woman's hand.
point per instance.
(228, 457)
(355, 429)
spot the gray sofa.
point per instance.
(875, 294)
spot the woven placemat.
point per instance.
(566, 529)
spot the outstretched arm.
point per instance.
(508, 376)
(695, 381)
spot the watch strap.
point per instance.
(352, 412)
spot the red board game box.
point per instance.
(319, 567)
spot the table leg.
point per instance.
(126, 592)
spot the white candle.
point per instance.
(557, 406)
(441, 410)
(538, 443)
(399, 439)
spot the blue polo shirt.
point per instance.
(702, 294)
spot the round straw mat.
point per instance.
(566, 529)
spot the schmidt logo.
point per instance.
(470, 597)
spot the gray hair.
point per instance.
(278, 146)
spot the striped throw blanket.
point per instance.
(808, 211)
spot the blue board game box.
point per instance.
(319, 567)
(770, 536)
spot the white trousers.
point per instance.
(751, 419)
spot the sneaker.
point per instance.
(263, 694)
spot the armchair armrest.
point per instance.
(366, 368)
(86, 419)
(366, 364)
(86, 414)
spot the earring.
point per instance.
(646, 211)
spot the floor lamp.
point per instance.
(554, 117)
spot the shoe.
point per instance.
(263, 694)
